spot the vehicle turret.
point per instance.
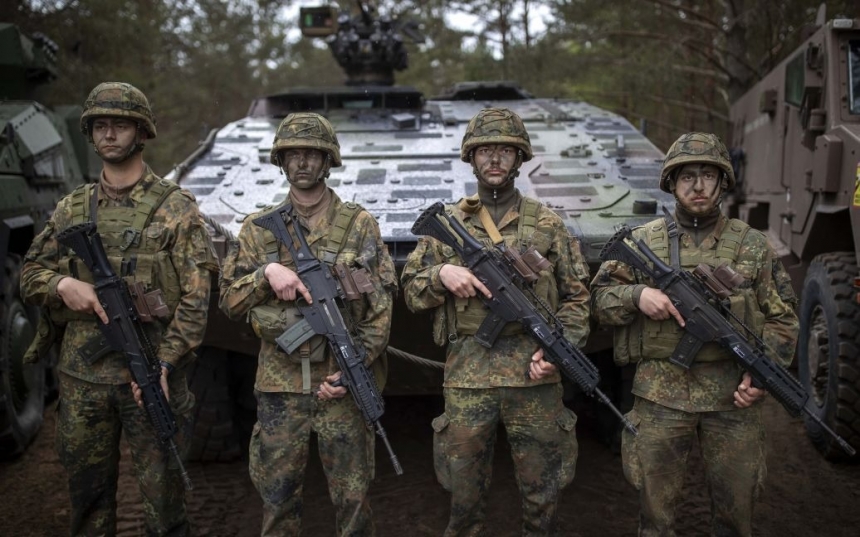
(401, 153)
(25, 62)
(369, 49)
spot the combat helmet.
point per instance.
(305, 130)
(697, 147)
(496, 126)
(117, 99)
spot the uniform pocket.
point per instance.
(440, 451)
(268, 321)
(569, 447)
(630, 453)
(256, 464)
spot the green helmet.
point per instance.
(118, 99)
(496, 126)
(697, 147)
(305, 130)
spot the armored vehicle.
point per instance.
(796, 146)
(401, 154)
(41, 156)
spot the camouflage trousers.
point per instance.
(91, 419)
(279, 452)
(543, 446)
(655, 462)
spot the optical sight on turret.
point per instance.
(368, 48)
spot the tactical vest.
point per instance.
(136, 247)
(648, 339)
(463, 316)
(270, 319)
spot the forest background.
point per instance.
(668, 66)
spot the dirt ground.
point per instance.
(804, 494)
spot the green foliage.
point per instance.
(676, 64)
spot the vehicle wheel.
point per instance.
(22, 387)
(213, 438)
(828, 350)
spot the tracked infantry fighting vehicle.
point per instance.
(796, 138)
(41, 156)
(400, 152)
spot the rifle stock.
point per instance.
(510, 304)
(706, 323)
(124, 333)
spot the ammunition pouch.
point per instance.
(353, 281)
(149, 306)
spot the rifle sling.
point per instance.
(674, 239)
(489, 225)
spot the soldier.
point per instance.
(152, 233)
(296, 393)
(509, 383)
(714, 401)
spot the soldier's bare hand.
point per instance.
(328, 392)
(81, 297)
(655, 304)
(286, 283)
(747, 394)
(138, 393)
(540, 368)
(461, 282)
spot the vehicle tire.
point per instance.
(22, 386)
(213, 438)
(827, 351)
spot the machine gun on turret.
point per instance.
(368, 48)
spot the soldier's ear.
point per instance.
(672, 183)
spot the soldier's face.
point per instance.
(697, 188)
(303, 166)
(494, 163)
(114, 138)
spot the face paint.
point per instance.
(698, 188)
(304, 167)
(493, 164)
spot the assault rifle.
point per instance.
(124, 333)
(499, 272)
(693, 295)
(323, 317)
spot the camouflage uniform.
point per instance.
(172, 253)
(484, 387)
(673, 406)
(287, 410)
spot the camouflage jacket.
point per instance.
(244, 287)
(468, 363)
(709, 384)
(183, 245)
